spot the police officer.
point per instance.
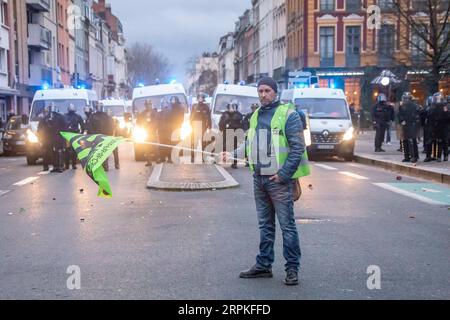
(443, 124)
(147, 120)
(53, 144)
(231, 121)
(171, 120)
(200, 119)
(102, 123)
(381, 117)
(409, 118)
(428, 118)
(75, 124)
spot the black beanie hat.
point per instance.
(268, 81)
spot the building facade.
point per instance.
(59, 43)
(226, 59)
(334, 40)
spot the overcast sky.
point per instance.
(178, 28)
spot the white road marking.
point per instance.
(43, 173)
(353, 175)
(431, 190)
(408, 194)
(26, 181)
(3, 192)
(324, 166)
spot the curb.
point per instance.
(155, 183)
(408, 170)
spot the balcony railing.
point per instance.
(39, 37)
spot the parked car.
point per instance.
(14, 137)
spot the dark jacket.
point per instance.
(246, 121)
(148, 120)
(201, 112)
(231, 120)
(49, 129)
(101, 123)
(409, 118)
(74, 122)
(382, 114)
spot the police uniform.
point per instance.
(74, 124)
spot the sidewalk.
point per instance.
(188, 177)
(392, 159)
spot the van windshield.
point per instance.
(37, 110)
(244, 103)
(159, 101)
(322, 108)
(116, 111)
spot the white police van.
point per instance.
(61, 98)
(117, 108)
(331, 127)
(158, 94)
(225, 94)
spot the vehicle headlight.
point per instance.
(122, 124)
(349, 134)
(307, 135)
(32, 137)
(139, 134)
(186, 130)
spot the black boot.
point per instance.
(254, 273)
(291, 278)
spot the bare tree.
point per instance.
(207, 82)
(428, 35)
(145, 65)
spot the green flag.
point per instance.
(93, 150)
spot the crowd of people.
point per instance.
(429, 123)
(56, 150)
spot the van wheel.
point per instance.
(139, 154)
(349, 157)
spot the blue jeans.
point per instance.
(272, 199)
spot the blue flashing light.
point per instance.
(173, 81)
(157, 81)
(45, 86)
(333, 86)
(82, 86)
(242, 83)
(140, 85)
(226, 82)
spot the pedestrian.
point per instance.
(409, 118)
(381, 116)
(147, 120)
(230, 122)
(101, 123)
(443, 125)
(53, 144)
(200, 119)
(74, 124)
(278, 125)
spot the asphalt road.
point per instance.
(146, 244)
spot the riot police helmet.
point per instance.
(438, 98)
(407, 97)
(72, 108)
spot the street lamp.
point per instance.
(385, 81)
